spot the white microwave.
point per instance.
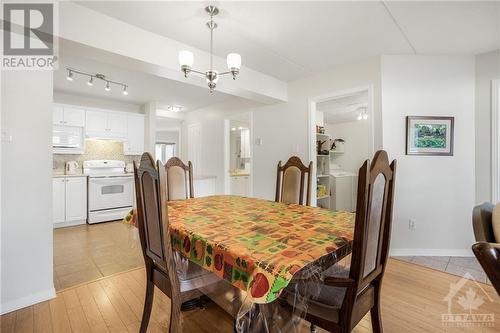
(67, 140)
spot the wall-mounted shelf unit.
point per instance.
(323, 170)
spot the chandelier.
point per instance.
(186, 58)
(91, 76)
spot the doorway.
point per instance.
(341, 139)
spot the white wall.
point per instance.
(211, 121)
(283, 127)
(94, 102)
(357, 143)
(26, 173)
(487, 69)
(168, 136)
(439, 192)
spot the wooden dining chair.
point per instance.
(482, 222)
(290, 181)
(179, 179)
(488, 255)
(159, 258)
(342, 301)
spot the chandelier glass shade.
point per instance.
(186, 58)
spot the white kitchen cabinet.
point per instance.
(240, 185)
(58, 200)
(117, 124)
(96, 122)
(74, 116)
(135, 135)
(58, 115)
(69, 195)
(106, 124)
(68, 116)
(76, 198)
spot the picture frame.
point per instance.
(429, 135)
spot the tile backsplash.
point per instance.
(95, 150)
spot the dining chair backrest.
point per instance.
(488, 255)
(372, 228)
(179, 179)
(152, 217)
(290, 182)
(482, 222)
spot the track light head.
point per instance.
(108, 88)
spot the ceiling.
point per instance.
(343, 109)
(142, 87)
(290, 40)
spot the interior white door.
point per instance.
(96, 121)
(74, 116)
(58, 115)
(58, 200)
(117, 124)
(76, 198)
(194, 147)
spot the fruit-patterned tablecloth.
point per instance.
(257, 245)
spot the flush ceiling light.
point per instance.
(102, 77)
(175, 108)
(186, 58)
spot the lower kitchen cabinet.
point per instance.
(69, 195)
(240, 185)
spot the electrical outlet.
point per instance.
(412, 224)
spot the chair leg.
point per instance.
(375, 312)
(148, 306)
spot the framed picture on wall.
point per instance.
(429, 135)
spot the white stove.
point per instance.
(110, 192)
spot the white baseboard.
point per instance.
(431, 252)
(27, 301)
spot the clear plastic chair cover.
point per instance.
(285, 314)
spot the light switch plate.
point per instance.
(6, 137)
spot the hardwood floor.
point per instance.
(87, 252)
(412, 301)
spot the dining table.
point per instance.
(257, 245)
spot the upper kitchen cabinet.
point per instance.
(68, 116)
(134, 145)
(106, 124)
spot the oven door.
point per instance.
(111, 192)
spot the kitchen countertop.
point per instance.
(57, 174)
(238, 174)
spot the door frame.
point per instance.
(313, 101)
(495, 140)
(227, 153)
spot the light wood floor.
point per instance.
(412, 301)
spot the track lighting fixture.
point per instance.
(90, 82)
